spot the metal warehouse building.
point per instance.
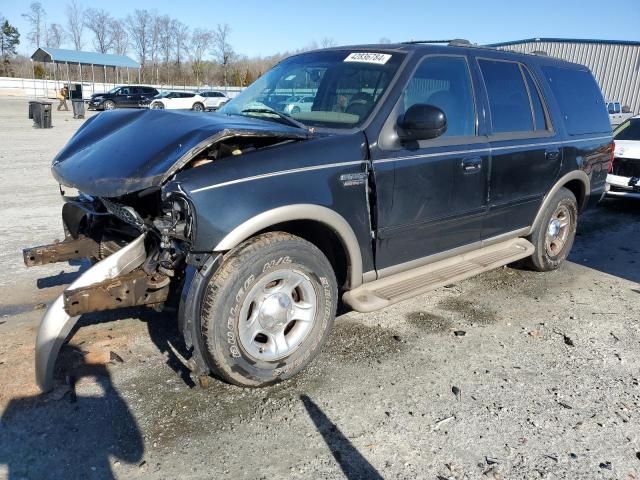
(615, 64)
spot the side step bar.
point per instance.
(402, 286)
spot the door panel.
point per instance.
(431, 194)
(434, 205)
(525, 151)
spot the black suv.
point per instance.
(414, 167)
(128, 96)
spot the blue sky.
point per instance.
(264, 28)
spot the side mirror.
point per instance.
(422, 122)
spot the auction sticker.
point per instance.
(368, 57)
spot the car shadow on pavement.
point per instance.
(353, 464)
(65, 435)
(606, 239)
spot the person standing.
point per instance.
(62, 96)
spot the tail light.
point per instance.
(613, 150)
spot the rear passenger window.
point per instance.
(444, 82)
(536, 101)
(580, 100)
(508, 98)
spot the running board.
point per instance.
(401, 286)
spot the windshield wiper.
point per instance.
(291, 121)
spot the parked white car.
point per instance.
(298, 104)
(213, 99)
(178, 100)
(623, 179)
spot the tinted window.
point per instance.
(444, 82)
(629, 130)
(580, 100)
(187, 95)
(508, 98)
(536, 101)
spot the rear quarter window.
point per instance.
(580, 100)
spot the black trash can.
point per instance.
(31, 107)
(78, 108)
(34, 107)
(45, 115)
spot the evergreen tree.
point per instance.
(9, 40)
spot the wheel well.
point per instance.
(322, 237)
(577, 188)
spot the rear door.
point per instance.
(431, 194)
(525, 149)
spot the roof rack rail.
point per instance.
(453, 41)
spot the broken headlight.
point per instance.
(176, 220)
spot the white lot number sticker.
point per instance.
(368, 57)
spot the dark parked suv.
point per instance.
(416, 166)
(128, 96)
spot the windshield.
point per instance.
(114, 90)
(629, 130)
(340, 88)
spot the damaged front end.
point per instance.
(124, 211)
(135, 262)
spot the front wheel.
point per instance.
(553, 238)
(109, 105)
(268, 310)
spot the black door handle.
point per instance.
(471, 164)
(552, 155)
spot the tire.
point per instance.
(157, 106)
(109, 105)
(248, 308)
(552, 240)
(198, 107)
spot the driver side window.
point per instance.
(444, 82)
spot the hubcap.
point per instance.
(558, 231)
(277, 314)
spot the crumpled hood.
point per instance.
(123, 151)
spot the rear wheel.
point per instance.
(157, 106)
(553, 238)
(268, 310)
(198, 107)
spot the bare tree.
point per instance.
(223, 51)
(119, 37)
(200, 42)
(180, 33)
(154, 41)
(55, 35)
(99, 22)
(75, 23)
(327, 42)
(36, 18)
(139, 27)
(166, 41)
(384, 40)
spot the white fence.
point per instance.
(27, 87)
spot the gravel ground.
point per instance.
(512, 374)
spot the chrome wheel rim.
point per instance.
(109, 106)
(277, 315)
(558, 231)
(197, 107)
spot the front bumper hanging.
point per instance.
(57, 322)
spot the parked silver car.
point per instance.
(213, 99)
